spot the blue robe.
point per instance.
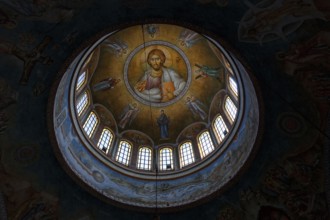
(163, 122)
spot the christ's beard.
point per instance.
(156, 67)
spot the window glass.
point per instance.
(124, 152)
(205, 144)
(105, 140)
(231, 109)
(166, 159)
(220, 128)
(81, 80)
(90, 124)
(144, 158)
(233, 85)
(186, 154)
(82, 103)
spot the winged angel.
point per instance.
(128, 115)
(188, 38)
(196, 107)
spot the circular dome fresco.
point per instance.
(155, 116)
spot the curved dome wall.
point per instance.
(115, 182)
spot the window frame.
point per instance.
(150, 163)
(85, 106)
(234, 91)
(200, 148)
(218, 133)
(129, 156)
(111, 140)
(228, 114)
(171, 159)
(82, 84)
(181, 155)
(92, 132)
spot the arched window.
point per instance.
(231, 109)
(124, 152)
(166, 159)
(90, 124)
(186, 154)
(105, 140)
(233, 86)
(205, 144)
(220, 128)
(144, 158)
(82, 103)
(81, 80)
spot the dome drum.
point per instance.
(127, 133)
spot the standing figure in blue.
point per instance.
(163, 122)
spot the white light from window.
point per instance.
(124, 152)
(186, 154)
(105, 140)
(205, 144)
(220, 128)
(231, 109)
(81, 80)
(90, 124)
(166, 159)
(144, 159)
(233, 85)
(82, 103)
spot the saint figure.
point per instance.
(163, 122)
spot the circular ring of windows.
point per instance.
(155, 102)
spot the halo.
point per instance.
(144, 55)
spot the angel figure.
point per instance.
(105, 84)
(188, 38)
(128, 115)
(205, 71)
(195, 106)
(151, 29)
(117, 47)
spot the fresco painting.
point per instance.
(107, 118)
(196, 107)
(283, 191)
(8, 96)
(105, 84)
(292, 187)
(23, 200)
(117, 47)
(98, 175)
(29, 57)
(159, 67)
(46, 11)
(137, 137)
(128, 115)
(308, 63)
(163, 121)
(191, 132)
(152, 30)
(270, 20)
(159, 76)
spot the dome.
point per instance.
(155, 110)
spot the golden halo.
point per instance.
(143, 57)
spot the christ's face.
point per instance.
(155, 62)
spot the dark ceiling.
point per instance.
(285, 44)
